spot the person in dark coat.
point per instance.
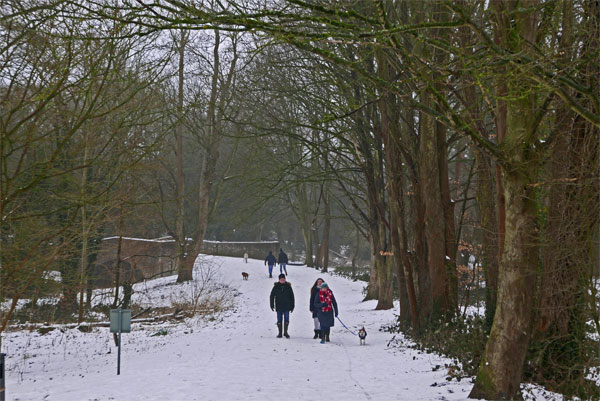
(326, 307)
(282, 259)
(270, 259)
(313, 293)
(282, 300)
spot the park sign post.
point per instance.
(120, 322)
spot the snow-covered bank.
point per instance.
(232, 356)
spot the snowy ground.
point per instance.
(232, 356)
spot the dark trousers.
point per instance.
(285, 314)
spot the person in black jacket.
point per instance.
(326, 307)
(282, 300)
(270, 259)
(313, 292)
(282, 259)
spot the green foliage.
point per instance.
(161, 332)
(30, 313)
(462, 339)
(562, 362)
(45, 330)
(362, 274)
(101, 308)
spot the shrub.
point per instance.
(362, 273)
(161, 332)
(462, 339)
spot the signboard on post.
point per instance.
(120, 322)
(125, 319)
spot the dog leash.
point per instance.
(345, 326)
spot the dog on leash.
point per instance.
(245, 276)
(362, 335)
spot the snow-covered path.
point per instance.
(236, 358)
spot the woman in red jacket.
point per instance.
(326, 307)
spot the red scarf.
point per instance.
(325, 297)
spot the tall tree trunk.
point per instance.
(207, 177)
(449, 224)
(450, 304)
(402, 264)
(403, 254)
(385, 269)
(368, 154)
(84, 231)
(219, 95)
(423, 276)
(500, 120)
(307, 236)
(406, 303)
(118, 259)
(182, 273)
(390, 132)
(355, 253)
(303, 210)
(434, 215)
(376, 231)
(484, 192)
(373, 286)
(317, 243)
(489, 232)
(500, 372)
(326, 228)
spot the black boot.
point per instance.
(285, 327)
(327, 336)
(317, 334)
(279, 328)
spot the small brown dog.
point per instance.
(245, 276)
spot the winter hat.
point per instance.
(324, 285)
(282, 276)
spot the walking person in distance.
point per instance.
(270, 260)
(282, 259)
